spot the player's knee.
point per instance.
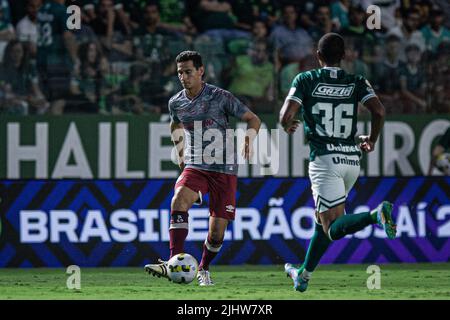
(180, 203)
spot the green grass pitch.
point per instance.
(398, 281)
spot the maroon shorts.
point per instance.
(221, 187)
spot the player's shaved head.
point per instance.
(331, 48)
(193, 56)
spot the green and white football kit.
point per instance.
(329, 100)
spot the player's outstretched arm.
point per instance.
(253, 125)
(177, 135)
(287, 116)
(378, 113)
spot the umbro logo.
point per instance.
(333, 91)
(229, 208)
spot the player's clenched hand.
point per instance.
(292, 126)
(365, 144)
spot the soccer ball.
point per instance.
(182, 268)
(443, 163)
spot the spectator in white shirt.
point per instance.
(26, 29)
(409, 32)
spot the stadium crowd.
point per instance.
(125, 50)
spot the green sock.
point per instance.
(349, 224)
(317, 247)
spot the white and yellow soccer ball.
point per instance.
(443, 163)
(182, 268)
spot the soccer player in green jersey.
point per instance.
(328, 100)
(56, 52)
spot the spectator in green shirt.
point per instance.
(435, 32)
(252, 77)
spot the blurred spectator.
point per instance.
(215, 19)
(87, 87)
(140, 38)
(351, 62)
(408, 32)
(386, 75)
(412, 81)
(306, 11)
(56, 52)
(323, 25)
(20, 83)
(339, 13)
(240, 46)
(435, 32)
(259, 30)
(112, 32)
(388, 11)
(364, 39)
(291, 42)
(129, 13)
(130, 97)
(174, 17)
(252, 78)
(423, 7)
(26, 29)
(445, 7)
(85, 34)
(151, 39)
(439, 85)
(154, 45)
(243, 11)
(88, 12)
(265, 10)
(7, 32)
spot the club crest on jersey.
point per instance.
(338, 91)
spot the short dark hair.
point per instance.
(332, 48)
(188, 56)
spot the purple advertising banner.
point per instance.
(48, 223)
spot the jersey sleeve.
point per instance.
(173, 116)
(364, 90)
(234, 107)
(297, 91)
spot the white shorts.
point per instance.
(332, 176)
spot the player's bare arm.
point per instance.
(177, 134)
(253, 125)
(377, 111)
(287, 116)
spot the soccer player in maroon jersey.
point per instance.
(201, 110)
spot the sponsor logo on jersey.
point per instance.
(342, 148)
(345, 160)
(333, 90)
